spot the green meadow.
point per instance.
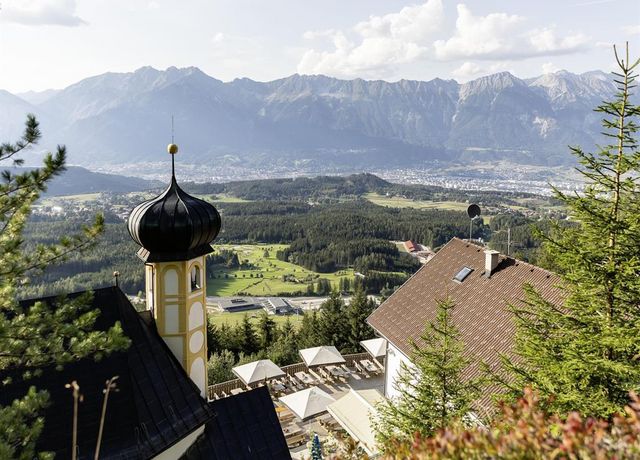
(219, 318)
(399, 202)
(267, 273)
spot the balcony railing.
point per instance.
(291, 369)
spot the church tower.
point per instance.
(175, 231)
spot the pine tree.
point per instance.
(213, 338)
(309, 334)
(285, 349)
(316, 448)
(266, 330)
(431, 392)
(219, 367)
(585, 353)
(247, 336)
(358, 311)
(35, 336)
(333, 326)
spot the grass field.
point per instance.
(219, 318)
(266, 278)
(82, 198)
(398, 202)
(221, 198)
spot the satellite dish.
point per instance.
(473, 211)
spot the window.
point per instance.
(462, 274)
(195, 278)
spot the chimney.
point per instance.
(491, 260)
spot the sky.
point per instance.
(54, 43)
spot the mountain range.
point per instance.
(126, 118)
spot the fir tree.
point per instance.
(247, 336)
(213, 338)
(309, 334)
(431, 392)
(585, 352)
(219, 367)
(35, 336)
(316, 448)
(333, 327)
(358, 311)
(285, 349)
(266, 330)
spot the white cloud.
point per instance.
(502, 36)
(41, 12)
(545, 42)
(467, 70)
(470, 70)
(631, 30)
(549, 67)
(607, 45)
(381, 43)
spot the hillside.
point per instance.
(125, 118)
(77, 180)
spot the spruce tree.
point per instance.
(358, 311)
(266, 330)
(213, 338)
(33, 336)
(333, 326)
(309, 334)
(316, 448)
(247, 336)
(285, 349)
(585, 352)
(431, 392)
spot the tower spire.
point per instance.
(172, 149)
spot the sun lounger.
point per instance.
(325, 375)
(316, 376)
(296, 440)
(305, 378)
(346, 369)
(369, 366)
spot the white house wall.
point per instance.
(393, 366)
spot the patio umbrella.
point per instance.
(320, 356)
(307, 403)
(355, 412)
(257, 371)
(376, 347)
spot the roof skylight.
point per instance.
(462, 274)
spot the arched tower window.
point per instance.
(196, 281)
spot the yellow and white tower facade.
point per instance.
(175, 231)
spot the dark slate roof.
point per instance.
(245, 427)
(156, 405)
(481, 315)
(173, 226)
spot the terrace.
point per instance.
(359, 372)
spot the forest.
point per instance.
(341, 325)
(322, 237)
(337, 188)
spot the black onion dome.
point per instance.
(173, 226)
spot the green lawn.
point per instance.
(221, 198)
(266, 278)
(219, 318)
(82, 198)
(398, 202)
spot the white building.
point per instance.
(482, 283)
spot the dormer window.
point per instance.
(196, 282)
(462, 274)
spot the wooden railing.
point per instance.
(225, 388)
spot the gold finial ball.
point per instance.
(172, 149)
